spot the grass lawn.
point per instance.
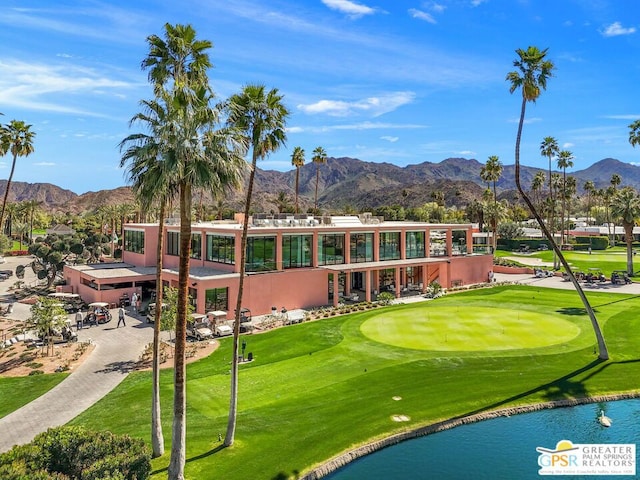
(18, 391)
(614, 258)
(319, 388)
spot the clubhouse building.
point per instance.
(293, 261)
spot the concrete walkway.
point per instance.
(115, 353)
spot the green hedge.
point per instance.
(515, 243)
(596, 243)
(66, 453)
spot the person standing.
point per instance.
(121, 317)
(79, 320)
(134, 302)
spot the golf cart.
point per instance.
(61, 335)
(595, 275)
(198, 327)
(620, 277)
(151, 311)
(98, 313)
(218, 321)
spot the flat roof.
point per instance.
(113, 270)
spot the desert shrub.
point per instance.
(385, 298)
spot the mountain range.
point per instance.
(344, 183)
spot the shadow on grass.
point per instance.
(561, 388)
(193, 459)
(573, 311)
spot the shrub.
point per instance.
(385, 298)
(77, 453)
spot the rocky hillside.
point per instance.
(343, 183)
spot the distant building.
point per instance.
(293, 261)
(60, 229)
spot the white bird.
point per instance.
(604, 420)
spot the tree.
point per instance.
(634, 133)
(615, 181)
(199, 156)
(530, 76)
(297, 160)
(625, 205)
(590, 188)
(490, 173)
(16, 138)
(494, 213)
(261, 116)
(536, 187)
(282, 201)
(47, 315)
(152, 184)
(319, 158)
(565, 160)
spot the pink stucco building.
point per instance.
(293, 261)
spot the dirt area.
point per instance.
(22, 359)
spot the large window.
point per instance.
(196, 245)
(361, 247)
(331, 249)
(389, 245)
(221, 249)
(134, 241)
(216, 299)
(261, 254)
(173, 243)
(296, 251)
(415, 244)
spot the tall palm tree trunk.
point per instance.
(603, 353)
(233, 403)
(6, 192)
(317, 181)
(157, 438)
(297, 184)
(178, 437)
(628, 236)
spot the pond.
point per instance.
(502, 448)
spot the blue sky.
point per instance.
(403, 81)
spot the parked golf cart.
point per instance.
(61, 335)
(620, 277)
(151, 311)
(198, 327)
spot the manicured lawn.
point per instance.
(317, 389)
(18, 391)
(614, 258)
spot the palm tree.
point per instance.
(590, 188)
(152, 183)
(531, 76)
(634, 133)
(319, 157)
(495, 212)
(16, 138)
(282, 201)
(297, 160)
(261, 116)
(536, 186)
(625, 205)
(549, 148)
(491, 173)
(615, 181)
(565, 160)
(198, 156)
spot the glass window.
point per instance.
(361, 247)
(173, 243)
(221, 249)
(216, 299)
(296, 251)
(331, 249)
(415, 244)
(389, 245)
(261, 254)
(196, 245)
(134, 241)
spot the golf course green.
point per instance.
(469, 329)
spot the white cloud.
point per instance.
(567, 145)
(420, 15)
(352, 9)
(360, 126)
(389, 138)
(53, 88)
(477, 3)
(465, 152)
(45, 164)
(623, 117)
(616, 29)
(374, 106)
(527, 121)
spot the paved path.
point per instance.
(116, 350)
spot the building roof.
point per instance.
(113, 270)
(60, 229)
